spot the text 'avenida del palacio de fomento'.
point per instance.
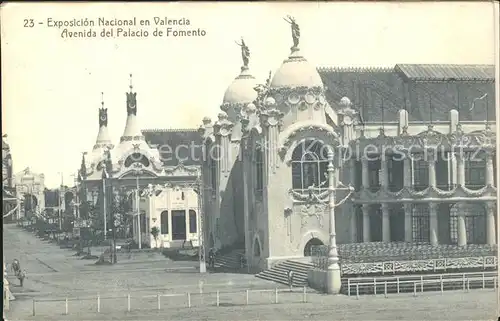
(127, 28)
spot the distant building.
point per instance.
(30, 189)
(9, 201)
(412, 132)
(145, 159)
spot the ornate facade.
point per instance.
(141, 160)
(417, 143)
(30, 189)
(9, 200)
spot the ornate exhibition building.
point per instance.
(415, 142)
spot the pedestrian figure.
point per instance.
(290, 279)
(15, 267)
(211, 258)
(21, 276)
(242, 261)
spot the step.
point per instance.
(285, 282)
(281, 277)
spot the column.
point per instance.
(460, 169)
(408, 223)
(352, 173)
(461, 228)
(366, 222)
(364, 172)
(386, 224)
(170, 235)
(490, 179)
(383, 179)
(187, 224)
(431, 162)
(353, 224)
(433, 224)
(407, 172)
(490, 223)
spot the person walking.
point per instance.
(290, 279)
(21, 277)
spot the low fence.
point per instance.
(397, 286)
(159, 301)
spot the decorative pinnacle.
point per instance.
(102, 99)
(130, 86)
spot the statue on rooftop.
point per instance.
(245, 53)
(295, 31)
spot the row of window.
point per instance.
(310, 162)
(179, 221)
(475, 222)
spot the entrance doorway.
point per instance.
(178, 225)
(309, 245)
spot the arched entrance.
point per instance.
(30, 204)
(312, 242)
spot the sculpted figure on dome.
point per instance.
(245, 53)
(295, 31)
(262, 91)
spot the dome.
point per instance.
(241, 90)
(296, 72)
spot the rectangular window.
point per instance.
(192, 221)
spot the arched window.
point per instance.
(164, 222)
(136, 158)
(192, 221)
(309, 165)
(214, 159)
(259, 170)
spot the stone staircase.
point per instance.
(229, 261)
(279, 273)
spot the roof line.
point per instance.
(355, 69)
(168, 130)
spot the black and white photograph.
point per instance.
(250, 160)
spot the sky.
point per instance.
(51, 86)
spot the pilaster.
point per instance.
(461, 227)
(490, 223)
(408, 223)
(407, 171)
(353, 225)
(431, 161)
(222, 130)
(383, 172)
(386, 224)
(271, 120)
(366, 222)
(490, 172)
(460, 169)
(433, 224)
(364, 172)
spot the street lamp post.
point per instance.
(333, 280)
(104, 211)
(60, 201)
(138, 210)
